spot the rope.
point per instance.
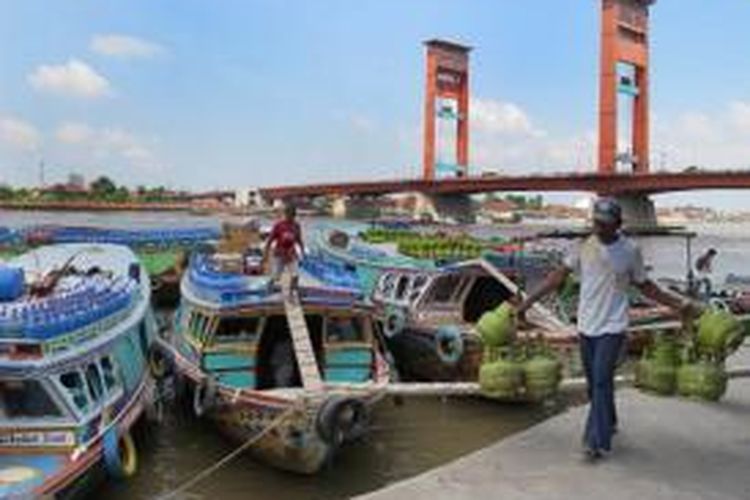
(227, 458)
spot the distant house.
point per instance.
(64, 190)
(500, 211)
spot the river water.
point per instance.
(405, 439)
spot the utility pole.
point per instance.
(41, 174)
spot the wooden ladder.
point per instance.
(303, 349)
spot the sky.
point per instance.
(202, 94)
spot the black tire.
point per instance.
(341, 419)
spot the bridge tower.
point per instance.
(447, 78)
(624, 72)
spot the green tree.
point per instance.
(6, 192)
(103, 187)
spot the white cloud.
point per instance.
(503, 137)
(716, 140)
(108, 144)
(124, 46)
(18, 134)
(74, 78)
(500, 117)
(73, 133)
(740, 115)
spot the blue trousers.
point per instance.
(599, 356)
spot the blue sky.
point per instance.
(203, 94)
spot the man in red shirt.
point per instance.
(284, 239)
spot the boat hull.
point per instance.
(415, 352)
(283, 429)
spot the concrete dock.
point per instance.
(667, 448)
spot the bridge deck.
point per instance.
(613, 184)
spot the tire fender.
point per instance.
(449, 344)
(394, 322)
(120, 454)
(341, 419)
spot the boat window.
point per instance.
(387, 284)
(417, 286)
(444, 287)
(198, 325)
(314, 324)
(401, 287)
(191, 322)
(94, 381)
(108, 372)
(462, 287)
(143, 337)
(344, 329)
(237, 328)
(73, 383)
(26, 399)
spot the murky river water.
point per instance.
(405, 440)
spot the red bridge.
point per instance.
(624, 74)
(610, 184)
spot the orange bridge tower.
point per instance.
(447, 79)
(624, 73)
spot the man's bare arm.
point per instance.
(551, 282)
(657, 294)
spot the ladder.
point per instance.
(303, 349)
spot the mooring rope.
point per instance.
(227, 458)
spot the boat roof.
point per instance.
(90, 304)
(110, 257)
(321, 282)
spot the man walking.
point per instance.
(607, 263)
(703, 268)
(284, 239)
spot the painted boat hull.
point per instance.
(416, 355)
(294, 443)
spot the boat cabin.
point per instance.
(456, 295)
(251, 347)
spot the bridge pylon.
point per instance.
(624, 72)
(447, 78)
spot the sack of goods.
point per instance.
(498, 327)
(656, 372)
(702, 379)
(701, 372)
(501, 378)
(528, 372)
(542, 374)
(720, 333)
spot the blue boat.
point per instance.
(239, 359)
(76, 329)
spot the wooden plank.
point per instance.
(303, 350)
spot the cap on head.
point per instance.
(607, 211)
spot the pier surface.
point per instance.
(667, 448)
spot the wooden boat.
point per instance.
(74, 344)
(428, 318)
(293, 380)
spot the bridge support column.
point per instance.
(637, 210)
(355, 207)
(445, 208)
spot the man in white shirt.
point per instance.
(607, 263)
